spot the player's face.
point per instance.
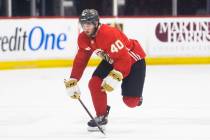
(88, 28)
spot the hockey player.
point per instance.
(123, 63)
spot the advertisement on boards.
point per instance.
(24, 39)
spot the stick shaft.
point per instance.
(91, 116)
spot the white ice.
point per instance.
(34, 105)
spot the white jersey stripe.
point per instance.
(135, 56)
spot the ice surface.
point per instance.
(34, 105)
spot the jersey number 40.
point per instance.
(116, 46)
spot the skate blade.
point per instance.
(96, 129)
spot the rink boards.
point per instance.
(52, 42)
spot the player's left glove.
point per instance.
(112, 80)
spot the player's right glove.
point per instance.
(72, 88)
(112, 80)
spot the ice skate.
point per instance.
(100, 120)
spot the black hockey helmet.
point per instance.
(89, 16)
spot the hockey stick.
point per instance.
(91, 116)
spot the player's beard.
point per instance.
(92, 33)
(89, 33)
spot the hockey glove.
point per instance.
(72, 88)
(112, 80)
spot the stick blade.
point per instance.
(96, 129)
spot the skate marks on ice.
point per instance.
(39, 123)
(176, 106)
(14, 116)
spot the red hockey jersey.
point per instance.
(111, 45)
